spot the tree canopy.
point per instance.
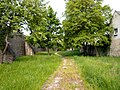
(87, 23)
(46, 32)
(53, 30)
(10, 19)
(44, 26)
(14, 14)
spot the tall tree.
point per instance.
(48, 34)
(87, 23)
(10, 19)
(35, 19)
(53, 29)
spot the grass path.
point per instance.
(66, 77)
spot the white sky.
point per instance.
(59, 6)
(114, 4)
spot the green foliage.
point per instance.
(35, 18)
(41, 22)
(87, 23)
(48, 32)
(28, 73)
(34, 15)
(10, 18)
(53, 32)
(100, 73)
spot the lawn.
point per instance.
(28, 72)
(31, 72)
(100, 73)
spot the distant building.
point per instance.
(115, 44)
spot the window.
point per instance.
(115, 31)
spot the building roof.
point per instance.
(118, 12)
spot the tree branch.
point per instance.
(6, 46)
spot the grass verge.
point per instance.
(28, 72)
(100, 73)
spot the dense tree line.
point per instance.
(86, 23)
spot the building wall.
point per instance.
(116, 24)
(28, 49)
(17, 44)
(17, 47)
(115, 47)
(115, 44)
(8, 57)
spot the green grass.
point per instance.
(69, 53)
(62, 53)
(100, 73)
(28, 72)
(46, 53)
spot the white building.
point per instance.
(115, 44)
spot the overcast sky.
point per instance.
(59, 5)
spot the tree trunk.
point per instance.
(1, 59)
(72, 49)
(85, 50)
(97, 52)
(48, 51)
(4, 51)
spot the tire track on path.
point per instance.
(66, 77)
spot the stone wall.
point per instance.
(93, 51)
(17, 47)
(39, 49)
(115, 47)
(17, 44)
(28, 49)
(8, 57)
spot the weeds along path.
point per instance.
(65, 78)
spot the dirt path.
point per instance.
(65, 78)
